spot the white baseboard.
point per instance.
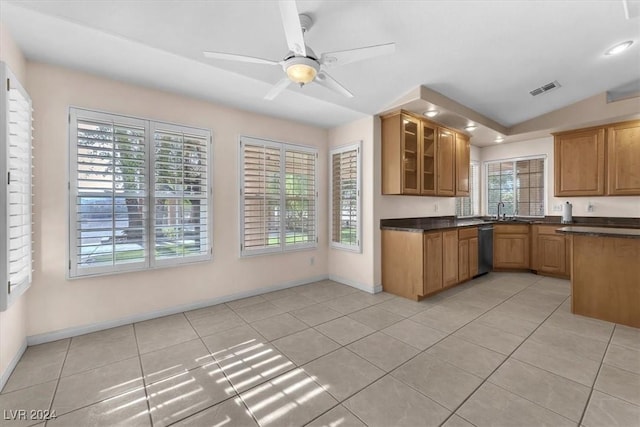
(94, 327)
(12, 365)
(357, 285)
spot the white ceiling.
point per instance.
(486, 55)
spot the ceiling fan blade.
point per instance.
(292, 29)
(239, 58)
(329, 82)
(342, 57)
(279, 87)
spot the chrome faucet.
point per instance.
(500, 203)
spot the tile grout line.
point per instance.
(418, 354)
(595, 379)
(55, 390)
(237, 394)
(144, 381)
(504, 361)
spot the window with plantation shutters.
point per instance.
(519, 184)
(278, 196)
(180, 193)
(15, 197)
(345, 197)
(139, 194)
(470, 205)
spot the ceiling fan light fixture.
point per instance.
(614, 50)
(301, 70)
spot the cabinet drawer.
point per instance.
(511, 228)
(467, 233)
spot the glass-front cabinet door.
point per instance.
(428, 150)
(410, 155)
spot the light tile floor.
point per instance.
(501, 350)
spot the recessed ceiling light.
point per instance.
(431, 113)
(471, 128)
(619, 48)
(499, 139)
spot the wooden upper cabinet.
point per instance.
(579, 158)
(401, 142)
(446, 163)
(421, 158)
(463, 164)
(623, 160)
(429, 152)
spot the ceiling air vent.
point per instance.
(545, 88)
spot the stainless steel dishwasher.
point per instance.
(485, 249)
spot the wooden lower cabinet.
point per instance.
(549, 251)
(416, 264)
(449, 257)
(467, 253)
(511, 247)
(432, 263)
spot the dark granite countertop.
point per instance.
(631, 233)
(420, 225)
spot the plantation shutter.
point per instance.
(300, 197)
(180, 188)
(110, 190)
(16, 197)
(345, 195)
(261, 197)
(278, 196)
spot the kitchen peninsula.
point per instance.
(605, 273)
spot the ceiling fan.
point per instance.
(301, 64)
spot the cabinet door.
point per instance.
(429, 155)
(579, 163)
(473, 257)
(463, 260)
(623, 160)
(410, 155)
(432, 262)
(450, 257)
(463, 164)
(551, 255)
(511, 251)
(446, 163)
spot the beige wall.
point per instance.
(56, 303)
(602, 206)
(349, 267)
(13, 321)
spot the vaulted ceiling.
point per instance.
(485, 55)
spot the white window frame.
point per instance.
(476, 200)
(283, 147)
(10, 292)
(338, 150)
(514, 160)
(149, 262)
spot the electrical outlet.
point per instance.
(435, 207)
(557, 208)
(589, 207)
(312, 260)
